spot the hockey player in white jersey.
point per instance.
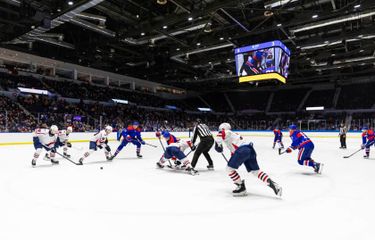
(241, 153)
(45, 138)
(175, 150)
(63, 140)
(99, 140)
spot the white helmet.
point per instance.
(54, 129)
(108, 129)
(69, 129)
(225, 126)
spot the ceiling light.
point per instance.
(58, 10)
(177, 49)
(279, 25)
(357, 6)
(137, 16)
(198, 44)
(228, 59)
(361, 51)
(208, 28)
(190, 19)
(332, 55)
(161, 2)
(221, 39)
(142, 34)
(165, 27)
(70, 3)
(315, 16)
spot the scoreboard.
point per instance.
(264, 61)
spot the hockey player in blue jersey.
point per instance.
(368, 139)
(175, 151)
(305, 148)
(132, 134)
(278, 138)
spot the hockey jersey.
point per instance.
(300, 140)
(368, 136)
(45, 138)
(63, 136)
(100, 137)
(278, 133)
(130, 132)
(232, 140)
(176, 142)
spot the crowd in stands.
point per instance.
(87, 116)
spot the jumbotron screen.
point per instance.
(264, 61)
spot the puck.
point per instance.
(101, 168)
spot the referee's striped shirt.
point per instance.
(202, 131)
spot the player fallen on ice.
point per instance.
(99, 140)
(132, 134)
(305, 148)
(175, 151)
(278, 138)
(45, 138)
(63, 140)
(368, 139)
(242, 153)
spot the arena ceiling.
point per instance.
(189, 43)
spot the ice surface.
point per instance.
(131, 199)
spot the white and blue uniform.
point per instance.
(99, 140)
(44, 138)
(241, 153)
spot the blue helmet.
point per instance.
(136, 123)
(365, 128)
(293, 127)
(165, 134)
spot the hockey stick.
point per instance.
(61, 155)
(352, 153)
(162, 145)
(225, 158)
(148, 144)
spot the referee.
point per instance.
(206, 142)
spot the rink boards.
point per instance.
(8, 139)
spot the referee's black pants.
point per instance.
(343, 140)
(203, 147)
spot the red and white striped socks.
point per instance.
(261, 175)
(235, 176)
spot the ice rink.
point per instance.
(131, 199)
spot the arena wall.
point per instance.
(7, 139)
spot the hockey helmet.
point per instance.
(225, 126)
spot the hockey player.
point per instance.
(132, 134)
(63, 140)
(368, 139)
(305, 148)
(99, 140)
(242, 153)
(278, 138)
(175, 150)
(45, 138)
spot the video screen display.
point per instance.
(263, 61)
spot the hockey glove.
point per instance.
(68, 144)
(158, 134)
(218, 148)
(288, 150)
(363, 146)
(143, 142)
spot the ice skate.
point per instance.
(33, 163)
(159, 165)
(53, 161)
(210, 167)
(275, 187)
(192, 171)
(318, 168)
(240, 190)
